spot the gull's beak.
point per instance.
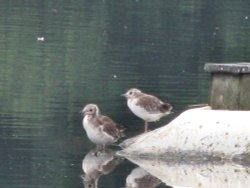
(82, 112)
(124, 95)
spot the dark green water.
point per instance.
(57, 56)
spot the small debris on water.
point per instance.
(40, 39)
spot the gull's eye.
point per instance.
(130, 93)
(91, 110)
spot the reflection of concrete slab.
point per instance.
(219, 133)
(191, 174)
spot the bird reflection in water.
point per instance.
(97, 163)
(139, 178)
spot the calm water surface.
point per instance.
(55, 57)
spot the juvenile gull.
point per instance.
(145, 106)
(100, 129)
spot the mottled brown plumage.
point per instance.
(152, 104)
(139, 178)
(147, 107)
(100, 129)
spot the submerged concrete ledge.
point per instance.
(202, 131)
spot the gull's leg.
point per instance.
(146, 127)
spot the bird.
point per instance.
(100, 129)
(146, 106)
(98, 163)
(140, 178)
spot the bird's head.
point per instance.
(90, 109)
(132, 93)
